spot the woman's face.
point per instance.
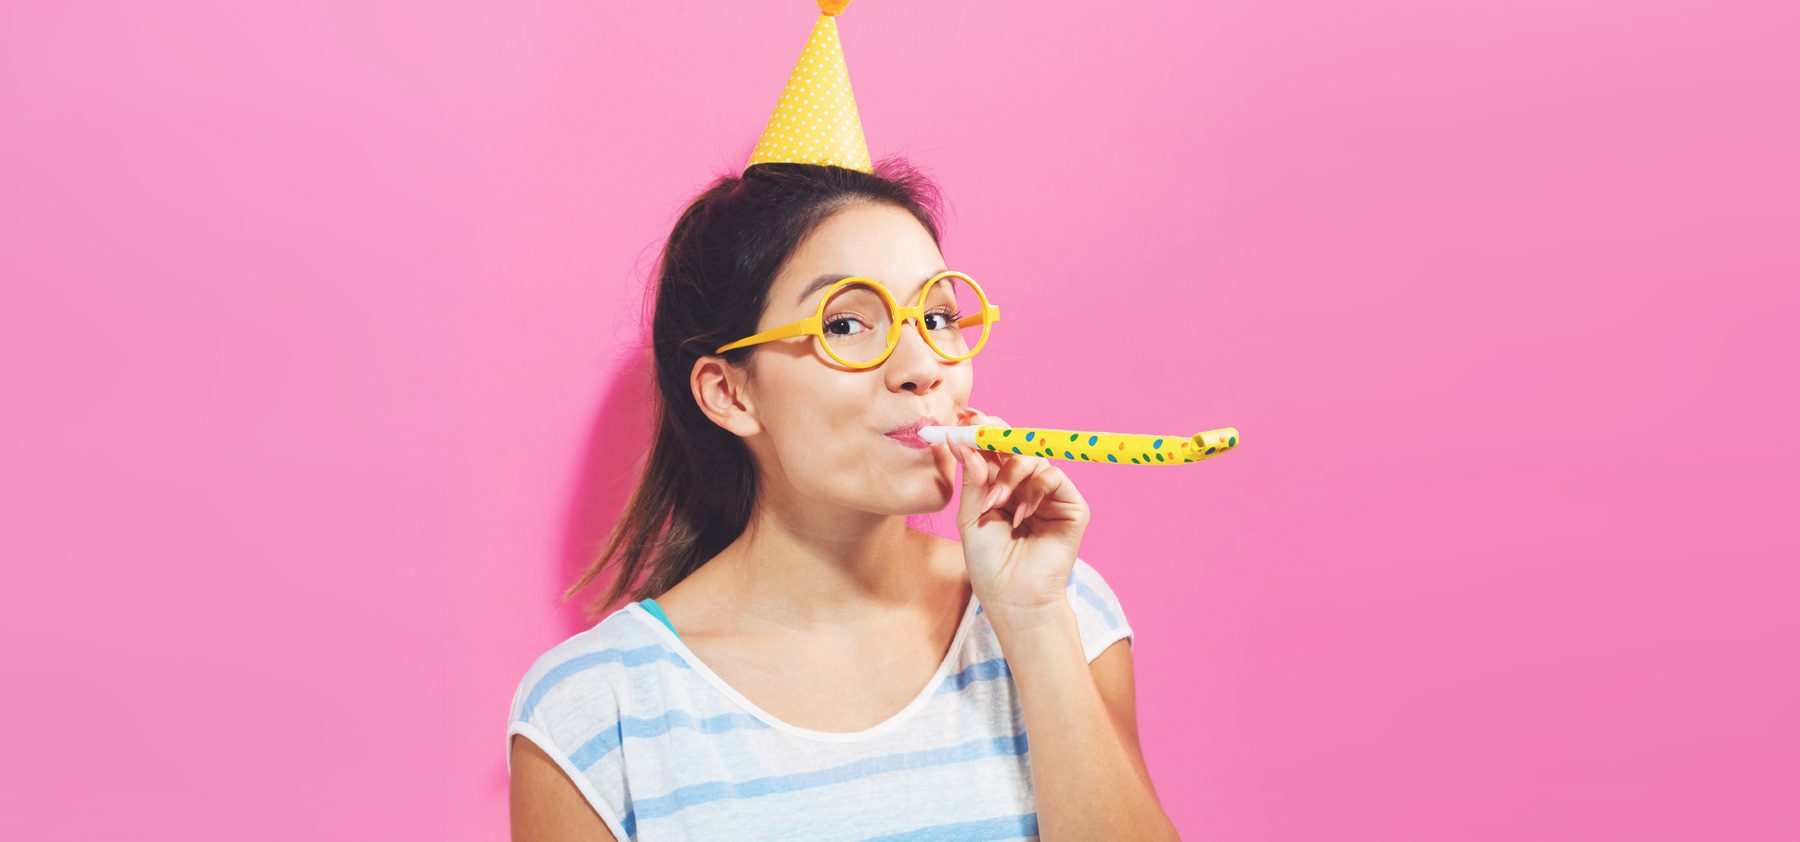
(823, 427)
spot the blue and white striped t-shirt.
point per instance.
(664, 749)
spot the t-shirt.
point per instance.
(665, 750)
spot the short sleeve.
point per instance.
(566, 704)
(1098, 614)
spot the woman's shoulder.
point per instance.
(572, 701)
(585, 673)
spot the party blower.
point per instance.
(1117, 448)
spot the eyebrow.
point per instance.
(824, 281)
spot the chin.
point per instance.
(928, 504)
(915, 498)
(927, 501)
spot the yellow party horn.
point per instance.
(1084, 446)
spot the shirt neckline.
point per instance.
(924, 696)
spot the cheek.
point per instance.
(818, 431)
(959, 382)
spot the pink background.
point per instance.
(319, 353)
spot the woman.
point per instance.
(798, 663)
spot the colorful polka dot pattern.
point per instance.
(815, 121)
(1115, 448)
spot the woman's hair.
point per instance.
(698, 486)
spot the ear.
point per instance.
(722, 391)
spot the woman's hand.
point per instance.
(1021, 520)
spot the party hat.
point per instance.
(815, 122)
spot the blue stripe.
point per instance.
(600, 744)
(596, 748)
(693, 796)
(984, 671)
(1003, 827)
(628, 657)
(604, 742)
(1094, 599)
(591, 751)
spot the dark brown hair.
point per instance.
(698, 486)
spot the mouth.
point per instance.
(909, 433)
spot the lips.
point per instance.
(909, 434)
(911, 440)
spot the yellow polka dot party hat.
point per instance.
(815, 121)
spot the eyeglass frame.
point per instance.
(814, 325)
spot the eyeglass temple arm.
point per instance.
(992, 315)
(799, 328)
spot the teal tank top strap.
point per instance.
(656, 610)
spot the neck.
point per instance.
(818, 567)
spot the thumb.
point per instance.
(974, 485)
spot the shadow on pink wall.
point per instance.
(611, 463)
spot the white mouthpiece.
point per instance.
(941, 434)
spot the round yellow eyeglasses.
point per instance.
(858, 322)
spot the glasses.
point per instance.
(858, 323)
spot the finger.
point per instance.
(967, 511)
(1012, 473)
(945, 459)
(1055, 487)
(1025, 504)
(975, 469)
(987, 470)
(974, 488)
(1025, 510)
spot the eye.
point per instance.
(832, 324)
(945, 313)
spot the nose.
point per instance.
(913, 366)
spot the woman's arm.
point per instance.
(545, 805)
(1086, 768)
